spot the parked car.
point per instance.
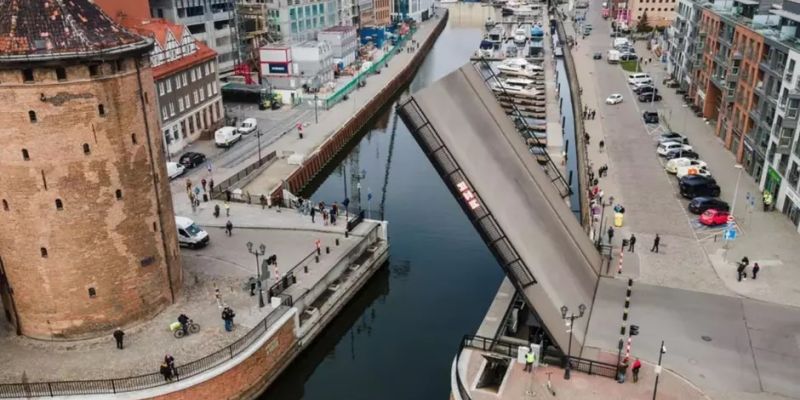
(690, 170)
(192, 159)
(175, 170)
(698, 186)
(650, 117)
(673, 137)
(699, 205)
(615, 34)
(248, 125)
(680, 153)
(666, 147)
(615, 98)
(226, 136)
(649, 97)
(628, 57)
(639, 77)
(644, 88)
(597, 56)
(713, 217)
(673, 165)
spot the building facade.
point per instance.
(186, 81)
(383, 12)
(89, 240)
(419, 10)
(300, 20)
(211, 21)
(659, 12)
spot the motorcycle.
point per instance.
(177, 328)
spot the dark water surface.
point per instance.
(398, 336)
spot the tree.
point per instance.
(644, 24)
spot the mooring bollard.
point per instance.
(305, 268)
(337, 241)
(327, 250)
(317, 259)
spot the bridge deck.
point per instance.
(519, 212)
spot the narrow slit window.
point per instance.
(92, 292)
(25, 155)
(32, 115)
(27, 75)
(118, 193)
(61, 74)
(86, 149)
(59, 205)
(94, 70)
(155, 228)
(5, 205)
(101, 110)
(43, 250)
(133, 138)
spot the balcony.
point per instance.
(717, 80)
(771, 68)
(788, 76)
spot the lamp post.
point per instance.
(316, 117)
(571, 324)
(661, 352)
(735, 195)
(258, 136)
(260, 251)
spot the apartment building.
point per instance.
(659, 12)
(299, 20)
(253, 27)
(742, 73)
(211, 21)
(419, 10)
(185, 74)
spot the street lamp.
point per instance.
(258, 135)
(735, 195)
(260, 251)
(571, 324)
(661, 352)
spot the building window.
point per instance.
(27, 75)
(169, 86)
(92, 292)
(133, 138)
(183, 76)
(164, 113)
(161, 88)
(101, 110)
(171, 109)
(5, 205)
(86, 149)
(214, 86)
(25, 155)
(180, 104)
(59, 205)
(211, 64)
(208, 90)
(118, 193)
(32, 115)
(94, 70)
(192, 75)
(177, 82)
(43, 250)
(61, 73)
(120, 64)
(155, 227)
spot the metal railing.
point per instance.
(592, 367)
(146, 381)
(228, 183)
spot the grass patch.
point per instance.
(630, 66)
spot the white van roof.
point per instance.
(250, 121)
(183, 222)
(226, 130)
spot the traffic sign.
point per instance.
(730, 234)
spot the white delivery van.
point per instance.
(226, 136)
(621, 42)
(639, 78)
(189, 234)
(175, 170)
(248, 125)
(613, 57)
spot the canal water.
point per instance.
(398, 337)
(568, 126)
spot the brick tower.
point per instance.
(88, 239)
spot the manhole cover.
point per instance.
(706, 338)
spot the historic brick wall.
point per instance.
(122, 246)
(249, 377)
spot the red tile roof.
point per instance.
(53, 27)
(157, 28)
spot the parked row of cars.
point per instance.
(223, 137)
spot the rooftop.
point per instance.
(31, 29)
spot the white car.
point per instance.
(226, 136)
(615, 98)
(248, 125)
(692, 170)
(175, 170)
(673, 165)
(639, 77)
(666, 147)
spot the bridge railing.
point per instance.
(146, 381)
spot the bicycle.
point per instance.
(178, 332)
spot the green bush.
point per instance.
(630, 66)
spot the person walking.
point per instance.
(756, 268)
(211, 185)
(216, 210)
(740, 271)
(602, 144)
(656, 241)
(188, 185)
(746, 261)
(165, 371)
(118, 335)
(324, 217)
(313, 212)
(170, 362)
(637, 365)
(227, 206)
(204, 183)
(631, 242)
(263, 200)
(594, 112)
(229, 228)
(610, 234)
(228, 196)
(218, 298)
(529, 359)
(227, 316)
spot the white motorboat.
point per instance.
(512, 70)
(522, 63)
(520, 37)
(516, 91)
(490, 23)
(497, 34)
(519, 82)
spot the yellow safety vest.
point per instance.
(529, 358)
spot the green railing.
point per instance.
(336, 97)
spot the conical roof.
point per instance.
(60, 28)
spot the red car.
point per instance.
(714, 217)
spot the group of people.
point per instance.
(589, 113)
(741, 270)
(328, 215)
(194, 190)
(623, 369)
(412, 46)
(168, 369)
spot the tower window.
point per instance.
(86, 149)
(5, 205)
(120, 65)
(94, 70)
(43, 250)
(118, 193)
(155, 228)
(101, 110)
(61, 73)
(59, 205)
(25, 155)
(92, 292)
(133, 138)
(27, 75)
(32, 115)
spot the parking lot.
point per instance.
(692, 255)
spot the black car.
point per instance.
(649, 97)
(678, 154)
(645, 89)
(192, 159)
(699, 205)
(697, 186)
(616, 34)
(597, 56)
(650, 117)
(628, 57)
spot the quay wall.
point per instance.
(316, 162)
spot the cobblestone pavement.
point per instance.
(224, 264)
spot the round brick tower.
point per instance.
(88, 239)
